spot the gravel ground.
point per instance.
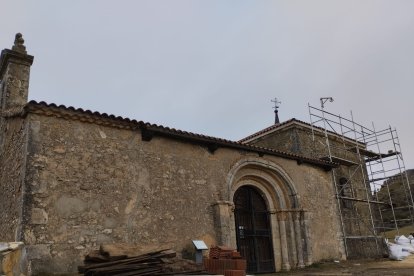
(357, 267)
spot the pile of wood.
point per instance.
(127, 260)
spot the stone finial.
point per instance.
(19, 44)
(14, 75)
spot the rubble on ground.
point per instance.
(402, 248)
(225, 261)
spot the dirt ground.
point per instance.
(357, 267)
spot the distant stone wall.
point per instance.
(400, 196)
(90, 184)
(13, 144)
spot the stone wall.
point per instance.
(91, 184)
(399, 191)
(314, 190)
(300, 140)
(14, 84)
(13, 142)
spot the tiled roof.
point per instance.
(213, 143)
(291, 121)
(268, 129)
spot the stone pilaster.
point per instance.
(276, 240)
(299, 247)
(292, 239)
(223, 211)
(282, 217)
(308, 259)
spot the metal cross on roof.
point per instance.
(276, 102)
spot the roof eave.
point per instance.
(212, 143)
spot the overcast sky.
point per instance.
(213, 66)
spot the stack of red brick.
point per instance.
(224, 260)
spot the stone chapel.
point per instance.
(72, 179)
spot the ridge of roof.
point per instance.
(272, 127)
(83, 115)
(293, 120)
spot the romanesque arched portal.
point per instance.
(276, 197)
(253, 231)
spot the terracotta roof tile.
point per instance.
(265, 130)
(293, 120)
(96, 117)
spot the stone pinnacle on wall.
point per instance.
(14, 75)
(19, 44)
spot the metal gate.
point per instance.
(254, 240)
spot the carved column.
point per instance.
(283, 240)
(292, 239)
(309, 260)
(276, 240)
(299, 248)
(223, 214)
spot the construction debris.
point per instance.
(223, 252)
(124, 260)
(225, 261)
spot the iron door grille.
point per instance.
(254, 238)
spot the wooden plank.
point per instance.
(362, 200)
(113, 263)
(121, 249)
(339, 160)
(143, 258)
(161, 262)
(96, 257)
(381, 156)
(363, 151)
(122, 268)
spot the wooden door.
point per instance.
(254, 240)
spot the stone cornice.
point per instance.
(8, 56)
(13, 112)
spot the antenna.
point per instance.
(276, 102)
(324, 100)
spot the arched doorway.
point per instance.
(253, 231)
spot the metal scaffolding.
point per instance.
(370, 164)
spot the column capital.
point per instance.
(282, 215)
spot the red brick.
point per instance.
(234, 273)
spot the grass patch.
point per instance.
(406, 230)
